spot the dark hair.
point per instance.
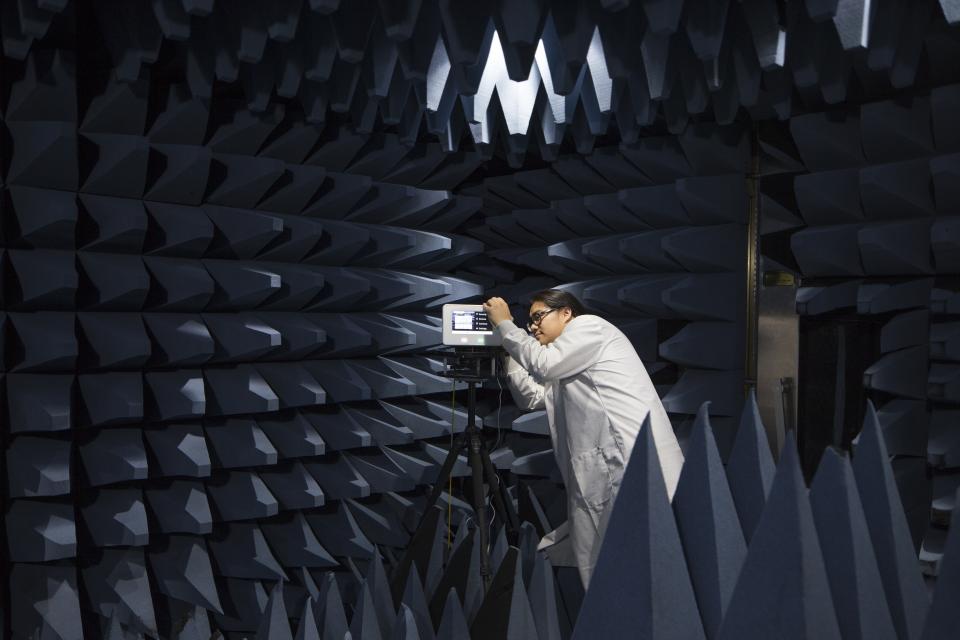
(557, 299)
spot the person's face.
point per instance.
(551, 322)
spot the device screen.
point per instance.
(470, 322)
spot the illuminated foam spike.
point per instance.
(239, 442)
(293, 384)
(46, 601)
(415, 602)
(179, 339)
(380, 472)
(293, 487)
(942, 615)
(241, 495)
(41, 531)
(298, 238)
(414, 467)
(274, 624)
(338, 478)
(340, 381)
(904, 423)
(241, 233)
(300, 286)
(714, 546)
(180, 450)
(240, 337)
(292, 435)
(365, 623)
(912, 254)
(307, 628)
(296, 544)
(247, 601)
(244, 553)
(117, 517)
(329, 609)
(454, 579)
(119, 587)
(907, 600)
(381, 425)
(607, 608)
(239, 390)
(380, 523)
(114, 455)
(750, 467)
(848, 554)
(301, 334)
(182, 570)
(338, 532)
(384, 381)
(771, 570)
(181, 507)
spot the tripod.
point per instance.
(467, 368)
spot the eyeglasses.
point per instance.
(536, 318)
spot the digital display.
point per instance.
(470, 322)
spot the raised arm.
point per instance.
(576, 349)
(526, 392)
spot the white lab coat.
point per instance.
(597, 394)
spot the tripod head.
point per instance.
(472, 364)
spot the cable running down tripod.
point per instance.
(468, 365)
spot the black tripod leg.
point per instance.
(479, 505)
(444, 473)
(502, 503)
(438, 487)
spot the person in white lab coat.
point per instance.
(597, 394)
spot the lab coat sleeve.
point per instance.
(527, 393)
(575, 350)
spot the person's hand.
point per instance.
(497, 310)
